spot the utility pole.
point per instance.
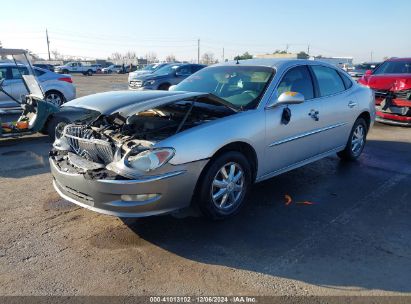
(308, 49)
(371, 56)
(286, 48)
(223, 54)
(198, 51)
(48, 43)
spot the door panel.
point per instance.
(336, 113)
(294, 142)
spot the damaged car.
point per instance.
(205, 142)
(391, 82)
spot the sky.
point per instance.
(98, 28)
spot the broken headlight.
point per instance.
(149, 160)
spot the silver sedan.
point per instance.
(210, 138)
(57, 88)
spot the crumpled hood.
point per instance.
(128, 102)
(391, 82)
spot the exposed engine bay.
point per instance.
(107, 142)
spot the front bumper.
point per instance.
(393, 119)
(174, 190)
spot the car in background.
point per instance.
(75, 67)
(57, 88)
(391, 82)
(148, 69)
(97, 67)
(114, 68)
(359, 69)
(45, 66)
(230, 125)
(164, 77)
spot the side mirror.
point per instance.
(287, 98)
(368, 72)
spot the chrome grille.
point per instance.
(83, 143)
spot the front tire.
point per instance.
(356, 141)
(224, 186)
(52, 125)
(90, 73)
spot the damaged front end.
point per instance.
(393, 106)
(115, 147)
(116, 165)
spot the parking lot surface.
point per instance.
(353, 240)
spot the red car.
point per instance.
(391, 82)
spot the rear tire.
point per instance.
(55, 97)
(223, 187)
(356, 141)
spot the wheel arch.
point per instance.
(55, 91)
(239, 146)
(367, 117)
(164, 84)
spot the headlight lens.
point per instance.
(150, 159)
(149, 82)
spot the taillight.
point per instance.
(66, 79)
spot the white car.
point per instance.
(75, 67)
(114, 68)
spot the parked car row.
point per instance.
(359, 70)
(162, 77)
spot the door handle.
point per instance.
(314, 114)
(352, 104)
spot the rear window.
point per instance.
(347, 81)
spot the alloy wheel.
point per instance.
(54, 98)
(228, 186)
(357, 140)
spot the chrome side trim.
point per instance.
(276, 143)
(148, 179)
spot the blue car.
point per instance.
(164, 77)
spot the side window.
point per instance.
(3, 73)
(38, 72)
(184, 70)
(195, 68)
(18, 72)
(346, 80)
(329, 81)
(299, 80)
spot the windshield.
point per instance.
(241, 86)
(394, 67)
(168, 69)
(150, 67)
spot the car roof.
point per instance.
(274, 63)
(400, 59)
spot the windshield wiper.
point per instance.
(226, 103)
